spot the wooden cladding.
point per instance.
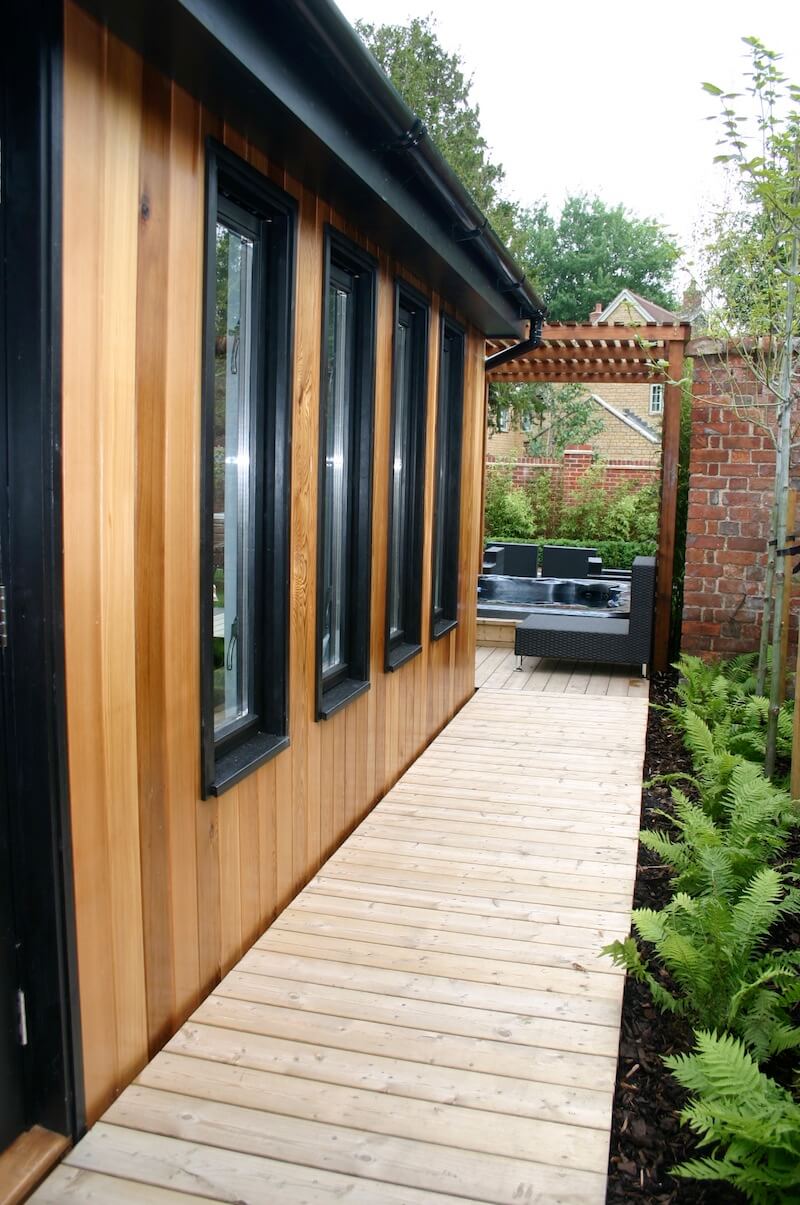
(170, 889)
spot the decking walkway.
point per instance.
(429, 1021)
(496, 669)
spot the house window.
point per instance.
(656, 399)
(407, 458)
(245, 471)
(447, 509)
(503, 420)
(345, 491)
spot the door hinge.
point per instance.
(3, 618)
(22, 1018)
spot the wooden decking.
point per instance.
(430, 1020)
(496, 668)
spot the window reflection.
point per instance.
(338, 419)
(399, 470)
(442, 468)
(233, 500)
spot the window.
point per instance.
(447, 507)
(656, 399)
(345, 485)
(407, 459)
(503, 420)
(245, 471)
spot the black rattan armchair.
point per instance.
(573, 637)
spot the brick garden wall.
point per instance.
(575, 463)
(732, 476)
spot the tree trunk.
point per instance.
(782, 498)
(766, 614)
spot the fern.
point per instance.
(750, 1122)
(754, 822)
(721, 696)
(713, 948)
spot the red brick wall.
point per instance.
(732, 477)
(575, 462)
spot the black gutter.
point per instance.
(408, 137)
(519, 349)
(293, 78)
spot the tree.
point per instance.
(754, 274)
(435, 86)
(589, 254)
(552, 416)
(592, 252)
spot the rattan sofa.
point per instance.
(574, 637)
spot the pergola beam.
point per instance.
(563, 374)
(595, 355)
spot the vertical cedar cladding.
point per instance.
(171, 889)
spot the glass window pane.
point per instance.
(234, 552)
(337, 528)
(443, 459)
(402, 404)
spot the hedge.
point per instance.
(615, 554)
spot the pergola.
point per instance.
(571, 352)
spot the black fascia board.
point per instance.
(254, 67)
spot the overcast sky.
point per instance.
(603, 98)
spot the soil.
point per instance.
(647, 1138)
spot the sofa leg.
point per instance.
(519, 667)
(644, 669)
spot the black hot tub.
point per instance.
(501, 597)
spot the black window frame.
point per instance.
(401, 647)
(226, 761)
(335, 689)
(449, 413)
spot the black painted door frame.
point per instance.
(32, 671)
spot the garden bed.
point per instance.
(647, 1138)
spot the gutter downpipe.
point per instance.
(408, 137)
(519, 349)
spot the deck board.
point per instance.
(430, 1020)
(497, 669)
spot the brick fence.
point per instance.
(732, 477)
(574, 463)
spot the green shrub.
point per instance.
(750, 1122)
(508, 512)
(646, 513)
(546, 496)
(621, 526)
(619, 518)
(627, 514)
(713, 950)
(583, 518)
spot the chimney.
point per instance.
(594, 317)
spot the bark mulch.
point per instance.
(647, 1138)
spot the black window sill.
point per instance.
(441, 627)
(340, 695)
(235, 765)
(399, 654)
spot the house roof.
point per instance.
(629, 418)
(649, 311)
(294, 78)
